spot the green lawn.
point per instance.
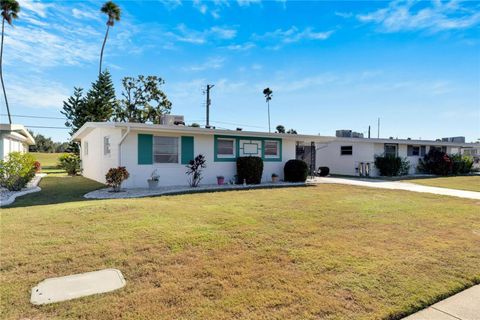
(324, 252)
(471, 183)
(47, 160)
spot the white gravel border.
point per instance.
(8, 197)
(106, 193)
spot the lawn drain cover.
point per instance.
(76, 286)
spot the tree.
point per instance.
(268, 96)
(280, 129)
(143, 100)
(292, 131)
(10, 10)
(100, 100)
(74, 109)
(113, 12)
(195, 125)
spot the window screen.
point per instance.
(225, 147)
(346, 150)
(165, 149)
(271, 148)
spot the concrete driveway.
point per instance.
(397, 185)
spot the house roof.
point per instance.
(18, 131)
(89, 126)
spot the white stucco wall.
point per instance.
(95, 165)
(363, 151)
(9, 143)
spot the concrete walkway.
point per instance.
(398, 185)
(462, 306)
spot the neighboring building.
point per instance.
(14, 137)
(352, 156)
(143, 148)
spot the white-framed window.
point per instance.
(413, 151)
(106, 146)
(390, 149)
(346, 150)
(165, 149)
(225, 148)
(272, 149)
(85, 148)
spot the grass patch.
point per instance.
(329, 252)
(469, 183)
(47, 160)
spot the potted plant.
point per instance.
(153, 181)
(220, 180)
(274, 177)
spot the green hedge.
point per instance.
(295, 171)
(249, 169)
(389, 165)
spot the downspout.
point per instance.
(120, 146)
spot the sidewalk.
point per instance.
(462, 306)
(397, 185)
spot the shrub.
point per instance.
(323, 171)
(295, 171)
(194, 171)
(435, 162)
(70, 163)
(115, 177)
(389, 165)
(16, 171)
(461, 164)
(249, 169)
(38, 166)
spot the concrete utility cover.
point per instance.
(76, 286)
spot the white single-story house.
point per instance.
(144, 148)
(354, 156)
(14, 137)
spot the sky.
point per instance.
(331, 64)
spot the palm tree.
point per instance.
(268, 96)
(10, 10)
(113, 12)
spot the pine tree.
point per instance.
(73, 110)
(100, 100)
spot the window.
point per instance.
(225, 148)
(85, 148)
(272, 149)
(106, 146)
(413, 151)
(423, 150)
(390, 150)
(346, 150)
(165, 149)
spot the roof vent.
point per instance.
(239, 129)
(171, 120)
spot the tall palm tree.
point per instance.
(10, 10)
(113, 12)
(268, 96)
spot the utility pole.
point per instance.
(378, 128)
(368, 132)
(209, 86)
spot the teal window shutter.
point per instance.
(187, 149)
(145, 149)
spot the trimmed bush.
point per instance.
(435, 162)
(389, 165)
(249, 169)
(70, 162)
(17, 171)
(295, 171)
(461, 164)
(115, 177)
(323, 171)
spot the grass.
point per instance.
(325, 252)
(470, 183)
(47, 160)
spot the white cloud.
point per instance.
(185, 34)
(36, 92)
(295, 35)
(35, 7)
(171, 4)
(410, 16)
(210, 64)
(344, 14)
(241, 47)
(243, 3)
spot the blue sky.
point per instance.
(331, 65)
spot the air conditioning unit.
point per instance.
(171, 120)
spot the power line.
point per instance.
(35, 117)
(42, 127)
